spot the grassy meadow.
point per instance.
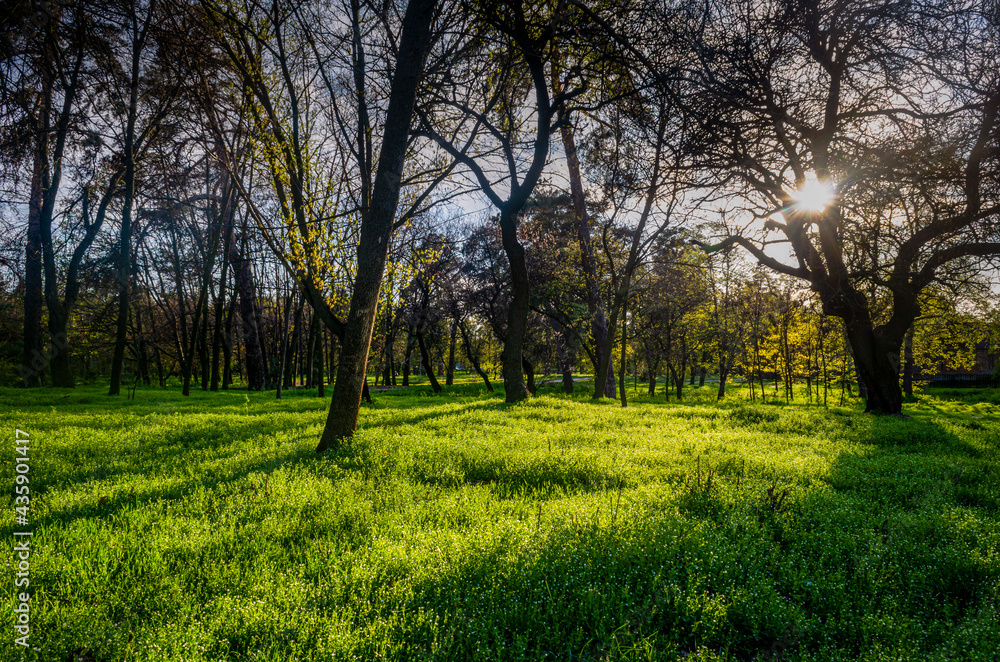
(455, 527)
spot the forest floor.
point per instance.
(455, 527)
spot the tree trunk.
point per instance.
(620, 299)
(199, 324)
(425, 361)
(387, 368)
(253, 352)
(217, 324)
(33, 364)
(517, 320)
(760, 372)
(598, 322)
(472, 359)
(50, 171)
(203, 348)
(227, 345)
(283, 352)
(725, 365)
(565, 368)
(125, 236)
(124, 247)
(320, 387)
(529, 374)
(406, 356)
(877, 363)
(311, 354)
(376, 226)
(59, 359)
(161, 380)
(450, 374)
(822, 353)
(288, 361)
(668, 356)
(679, 375)
(320, 360)
(332, 358)
(141, 353)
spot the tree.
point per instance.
(432, 262)
(482, 113)
(145, 98)
(582, 218)
(878, 185)
(270, 47)
(377, 223)
(728, 319)
(641, 183)
(561, 291)
(45, 93)
(675, 291)
(31, 85)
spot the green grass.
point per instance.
(455, 527)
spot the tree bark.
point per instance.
(311, 354)
(406, 356)
(529, 374)
(595, 306)
(203, 363)
(227, 344)
(280, 381)
(669, 359)
(517, 320)
(288, 372)
(320, 386)
(425, 361)
(219, 309)
(679, 374)
(876, 360)
(125, 236)
(726, 358)
(376, 226)
(161, 380)
(565, 367)
(388, 374)
(33, 363)
(50, 171)
(472, 358)
(253, 352)
(450, 373)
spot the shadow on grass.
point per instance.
(430, 410)
(905, 531)
(917, 463)
(105, 507)
(897, 558)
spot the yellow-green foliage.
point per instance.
(458, 528)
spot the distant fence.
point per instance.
(966, 381)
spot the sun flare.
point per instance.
(814, 196)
